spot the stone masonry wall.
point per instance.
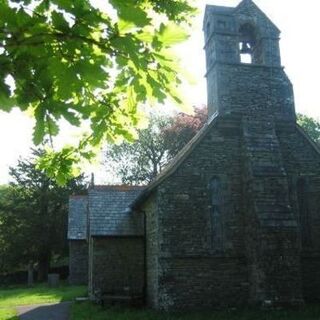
(272, 232)
(254, 90)
(311, 277)
(185, 202)
(118, 265)
(198, 283)
(194, 270)
(238, 214)
(301, 160)
(78, 262)
(152, 251)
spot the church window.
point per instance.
(208, 26)
(215, 214)
(303, 204)
(222, 24)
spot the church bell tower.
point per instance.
(248, 86)
(244, 72)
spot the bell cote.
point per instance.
(243, 34)
(244, 72)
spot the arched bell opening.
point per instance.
(249, 47)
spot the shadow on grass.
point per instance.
(48, 312)
(85, 311)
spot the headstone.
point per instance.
(53, 280)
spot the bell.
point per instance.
(245, 48)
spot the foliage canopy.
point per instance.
(62, 59)
(33, 217)
(139, 162)
(311, 126)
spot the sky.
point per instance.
(300, 51)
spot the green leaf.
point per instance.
(52, 126)
(65, 4)
(129, 11)
(146, 35)
(65, 76)
(59, 21)
(22, 18)
(171, 34)
(82, 70)
(125, 26)
(7, 14)
(157, 89)
(92, 73)
(71, 117)
(38, 131)
(6, 102)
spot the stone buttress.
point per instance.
(245, 77)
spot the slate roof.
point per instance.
(77, 220)
(219, 9)
(257, 11)
(307, 137)
(110, 213)
(233, 10)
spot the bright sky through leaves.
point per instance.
(300, 49)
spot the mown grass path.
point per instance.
(39, 294)
(12, 298)
(8, 314)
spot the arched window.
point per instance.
(303, 204)
(215, 214)
(248, 45)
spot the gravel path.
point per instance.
(57, 311)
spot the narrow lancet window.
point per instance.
(216, 219)
(303, 203)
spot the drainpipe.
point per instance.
(144, 258)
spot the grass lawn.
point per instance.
(88, 311)
(39, 294)
(8, 314)
(9, 298)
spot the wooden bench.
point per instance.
(122, 300)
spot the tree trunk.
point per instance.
(30, 274)
(44, 250)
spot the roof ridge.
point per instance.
(117, 187)
(244, 3)
(177, 160)
(78, 196)
(306, 135)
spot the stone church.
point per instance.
(235, 217)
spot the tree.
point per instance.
(69, 60)
(139, 162)
(311, 126)
(33, 215)
(183, 129)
